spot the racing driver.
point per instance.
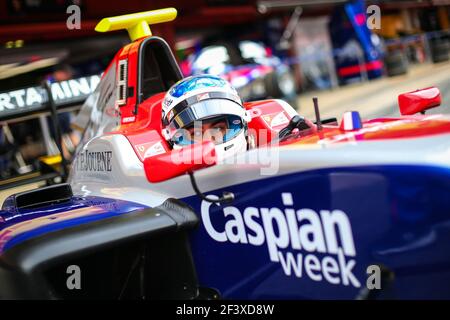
(206, 107)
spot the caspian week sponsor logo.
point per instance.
(306, 243)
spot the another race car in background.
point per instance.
(309, 213)
(248, 65)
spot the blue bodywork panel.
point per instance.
(313, 234)
(17, 225)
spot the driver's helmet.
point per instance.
(205, 107)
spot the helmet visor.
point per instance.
(218, 129)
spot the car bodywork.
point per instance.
(308, 216)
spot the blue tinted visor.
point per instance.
(218, 129)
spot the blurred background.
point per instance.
(353, 55)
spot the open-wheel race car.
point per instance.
(312, 210)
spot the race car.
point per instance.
(322, 209)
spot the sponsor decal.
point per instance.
(150, 149)
(97, 161)
(228, 147)
(203, 96)
(128, 119)
(122, 82)
(168, 102)
(306, 243)
(154, 150)
(276, 119)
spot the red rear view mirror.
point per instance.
(177, 162)
(419, 101)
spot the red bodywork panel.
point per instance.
(382, 129)
(177, 162)
(145, 133)
(419, 101)
(268, 118)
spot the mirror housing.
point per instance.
(418, 101)
(172, 164)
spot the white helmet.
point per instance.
(205, 99)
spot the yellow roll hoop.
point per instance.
(137, 24)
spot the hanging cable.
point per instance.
(227, 197)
